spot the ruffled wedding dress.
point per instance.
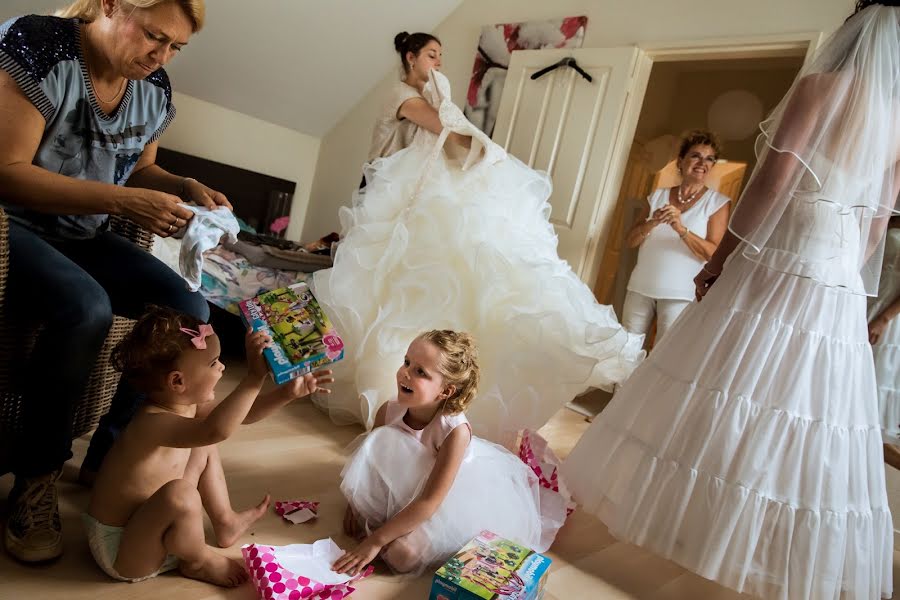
(436, 241)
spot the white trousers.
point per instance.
(639, 310)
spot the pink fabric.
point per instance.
(431, 436)
(280, 224)
(283, 507)
(536, 453)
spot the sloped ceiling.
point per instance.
(301, 64)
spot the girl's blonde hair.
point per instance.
(458, 365)
(89, 10)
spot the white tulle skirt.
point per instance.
(747, 447)
(493, 490)
(475, 252)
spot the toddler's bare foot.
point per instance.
(228, 531)
(217, 569)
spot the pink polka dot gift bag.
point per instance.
(298, 571)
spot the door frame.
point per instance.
(759, 46)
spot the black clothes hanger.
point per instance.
(566, 62)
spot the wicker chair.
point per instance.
(17, 339)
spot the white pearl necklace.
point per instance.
(692, 197)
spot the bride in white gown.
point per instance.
(459, 238)
(753, 455)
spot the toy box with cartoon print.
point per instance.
(491, 568)
(304, 339)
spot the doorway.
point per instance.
(726, 95)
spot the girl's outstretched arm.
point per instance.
(449, 458)
(300, 387)
(175, 431)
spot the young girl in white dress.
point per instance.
(753, 455)
(420, 485)
(458, 237)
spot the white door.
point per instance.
(577, 131)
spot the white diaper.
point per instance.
(104, 541)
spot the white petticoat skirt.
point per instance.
(747, 447)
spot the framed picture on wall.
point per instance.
(496, 44)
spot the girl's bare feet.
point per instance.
(215, 568)
(892, 455)
(229, 530)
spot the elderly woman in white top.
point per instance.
(677, 232)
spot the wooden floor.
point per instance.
(298, 454)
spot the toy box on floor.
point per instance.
(491, 568)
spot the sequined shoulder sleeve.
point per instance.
(160, 80)
(30, 49)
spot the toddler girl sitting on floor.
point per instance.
(146, 510)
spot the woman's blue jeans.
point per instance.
(74, 287)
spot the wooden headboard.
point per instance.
(257, 199)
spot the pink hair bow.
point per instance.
(199, 337)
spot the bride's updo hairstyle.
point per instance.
(405, 42)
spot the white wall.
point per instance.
(610, 23)
(216, 133)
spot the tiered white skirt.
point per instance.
(747, 447)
